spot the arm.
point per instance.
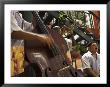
(28, 36)
(68, 57)
(18, 33)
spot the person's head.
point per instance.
(93, 47)
(57, 28)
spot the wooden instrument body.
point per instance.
(49, 64)
(49, 60)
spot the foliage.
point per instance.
(81, 48)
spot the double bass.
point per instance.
(53, 62)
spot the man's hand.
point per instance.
(49, 40)
(68, 57)
(90, 72)
(97, 73)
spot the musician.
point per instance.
(91, 61)
(20, 30)
(68, 40)
(19, 33)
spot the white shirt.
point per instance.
(19, 24)
(89, 61)
(14, 26)
(69, 43)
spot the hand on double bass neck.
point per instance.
(48, 40)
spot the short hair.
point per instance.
(56, 28)
(90, 43)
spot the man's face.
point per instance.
(94, 47)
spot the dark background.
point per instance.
(2, 2)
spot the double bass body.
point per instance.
(44, 61)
